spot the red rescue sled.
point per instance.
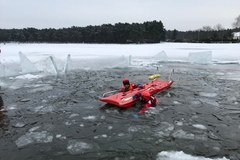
(125, 100)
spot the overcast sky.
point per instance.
(175, 14)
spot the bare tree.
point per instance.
(218, 27)
(236, 24)
(206, 28)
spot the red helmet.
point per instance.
(125, 81)
(146, 95)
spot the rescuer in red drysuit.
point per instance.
(146, 99)
(127, 86)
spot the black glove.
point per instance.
(140, 86)
(137, 95)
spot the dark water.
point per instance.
(61, 117)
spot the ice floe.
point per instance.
(180, 155)
(204, 57)
(92, 118)
(164, 129)
(183, 135)
(205, 94)
(78, 147)
(34, 137)
(199, 126)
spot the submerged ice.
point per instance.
(34, 137)
(78, 147)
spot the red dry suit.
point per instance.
(147, 101)
(127, 86)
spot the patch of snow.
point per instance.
(180, 155)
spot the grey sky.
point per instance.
(175, 14)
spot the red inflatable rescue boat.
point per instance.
(126, 100)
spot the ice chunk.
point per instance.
(208, 101)
(59, 136)
(34, 129)
(129, 60)
(78, 147)
(73, 115)
(161, 56)
(178, 123)
(68, 65)
(133, 129)
(42, 88)
(89, 118)
(26, 64)
(29, 76)
(179, 155)
(176, 102)
(164, 130)
(183, 135)
(204, 94)
(47, 66)
(200, 57)
(43, 109)
(199, 126)
(6, 71)
(2, 70)
(34, 137)
(19, 125)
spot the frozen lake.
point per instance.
(60, 117)
(175, 51)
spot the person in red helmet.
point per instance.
(127, 86)
(146, 99)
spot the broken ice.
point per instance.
(161, 56)
(183, 135)
(199, 126)
(180, 155)
(34, 137)
(26, 65)
(200, 57)
(78, 147)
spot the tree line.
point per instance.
(202, 36)
(147, 32)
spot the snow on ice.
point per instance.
(179, 155)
